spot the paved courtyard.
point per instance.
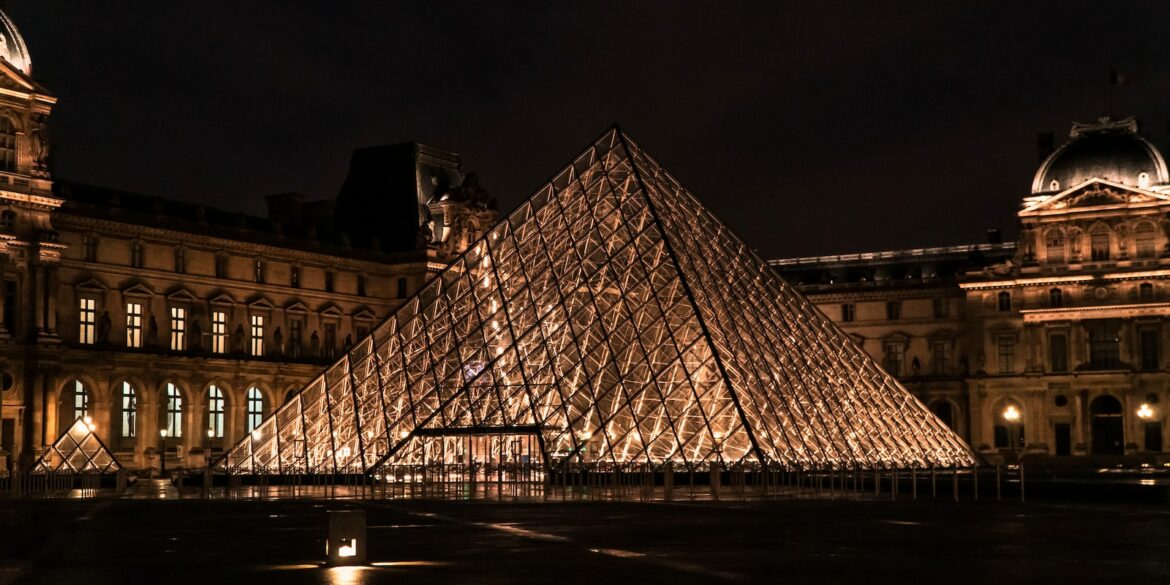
(866, 542)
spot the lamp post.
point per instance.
(162, 456)
(1011, 415)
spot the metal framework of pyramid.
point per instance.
(78, 450)
(616, 321)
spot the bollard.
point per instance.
(716, 480)
(347, 541)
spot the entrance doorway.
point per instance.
(1107, 426)
(1063, 436)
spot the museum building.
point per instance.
(172, 327)
(1052, 345)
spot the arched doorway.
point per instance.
(945, 412)
(1107, 426)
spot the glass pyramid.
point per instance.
(78, 450)
(613, 320)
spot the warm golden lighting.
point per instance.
(1011, 414)
(210, 433)
(256, 435)
(163, 433)
(1145, 412)
(89, 424)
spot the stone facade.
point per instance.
(1055, 345)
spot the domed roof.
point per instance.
(12, 47)
(1110, 150)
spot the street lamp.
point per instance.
(1145, 412)
(162, 457)
(1011, 416)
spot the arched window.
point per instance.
(1146, 291)
(129, 408)
(1145, 240)
(1055, 298)
(1054, 247)
(174, 412)
(215, 408)
(1099, 241)
(255, 409)
(80, 400)
(73, 404)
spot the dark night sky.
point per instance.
(811, 128)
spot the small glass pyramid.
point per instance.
(78, 450)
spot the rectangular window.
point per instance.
(330, 339)
(362, 331)
(10, 296)
(1104, 344)
(257, 335)
(1099, 246)
(895, 354)
(940, 356)
(893, 310)
(1006, 349)
(90, 244)
(848, 312)
(295, 335)
(1149, 341)
(328, 281)
(1005, 301)
(258, 271)
(294, 276)
(181, 260)
(361, 285)
(178, 328)
(401, 288)
(221, 266)
(137, 254)
(87, 319)
(134, 325)
(218, 332)
(1058, 352)
(941, 308)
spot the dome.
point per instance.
(12, 47)
(1110, 150)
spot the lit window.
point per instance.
(178, 328)
(87, 320)
(215, 409)
(1006, 345)
(1004, 301)
(218, 332)
(129, 410)
(80, 401)
(133, 324)
(257, 335)
(258, 271)
(255, 409)
(174, 411)
(848, 312)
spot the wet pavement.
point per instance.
(96, 541)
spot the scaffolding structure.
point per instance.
(610, 322)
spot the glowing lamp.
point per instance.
(256, 435)
(210, 433)
(1145, 412)
(1011, 414)
(347, 537)
(163, 433)
(718, 435)
(89, 424)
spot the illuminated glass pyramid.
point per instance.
(78, 450)
(614, 320)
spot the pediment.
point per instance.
(14, 79)
(182, 295)
(138, 290)
(261, 303)
(223, 299)
(296, 307)
(91, 285)
(1094, 193)
(331, 310)
(364, 314)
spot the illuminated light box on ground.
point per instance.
(346, 544)
(610, 321)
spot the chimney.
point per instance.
(1045, 144)
(993, 236)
